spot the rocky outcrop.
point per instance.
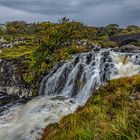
(125, 38)
(5, 44)
(87, 44)
(128, 49)
(10, 45)
(11, 80)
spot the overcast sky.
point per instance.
(91, 12)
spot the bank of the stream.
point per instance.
(112, 113)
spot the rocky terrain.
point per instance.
(11, 81)
(74, 61)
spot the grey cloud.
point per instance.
(53, 6)
(97, 12)
(41, 7)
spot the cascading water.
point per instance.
(63, 90)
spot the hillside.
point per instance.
(112, 113)
(69, 81)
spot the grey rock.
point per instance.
(88, 45)
(135, 95)
(128, 48)
(11, 80)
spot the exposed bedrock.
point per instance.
(11, 81)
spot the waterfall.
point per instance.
(67, 87)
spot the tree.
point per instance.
(20, 27)
(133, 28)
(111, 29)
(64, 20)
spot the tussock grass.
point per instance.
(109, 114)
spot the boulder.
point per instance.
(11, 80)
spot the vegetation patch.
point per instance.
(15, 52)
(110, 114)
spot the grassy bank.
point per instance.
(16, 52)
(110, 114)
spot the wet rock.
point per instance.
(76, 60)
(7, 101)
(77, 81)
(106, 53)
(89, 58)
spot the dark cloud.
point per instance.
(54, 7)
(40, 7)
(95, 12)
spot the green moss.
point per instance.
(109, 115)
(15, 52)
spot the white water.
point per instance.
(65, 89)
